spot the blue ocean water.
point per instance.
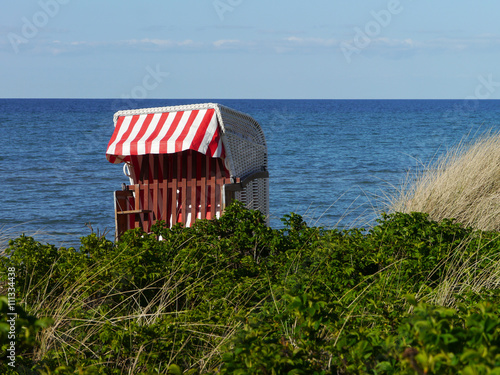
(331, 161)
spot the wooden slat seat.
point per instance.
(175, 188)
(133, 212)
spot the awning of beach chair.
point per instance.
(165, 133)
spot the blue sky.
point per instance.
(331, 49)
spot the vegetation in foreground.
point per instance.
(232, 296)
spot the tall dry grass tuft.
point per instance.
(464, 184)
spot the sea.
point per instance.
(335, 162)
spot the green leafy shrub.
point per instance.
(234, 296)
(292, 342)
(441, 340)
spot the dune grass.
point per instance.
(464, 184)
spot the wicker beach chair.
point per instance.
(186, 163)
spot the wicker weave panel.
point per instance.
(244, 139)
(255, 196)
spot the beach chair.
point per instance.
(186, 163)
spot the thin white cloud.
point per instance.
(227, 43)
(60, 47)
(397, 48)
(384, 46)
(405, 44)
(160, 43)
(280, 32)
(157, 28)
(225, 27)
(311, 42)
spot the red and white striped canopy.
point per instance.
(165, 133)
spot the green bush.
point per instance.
(440, 340)
(234, 296)
(292, 342)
